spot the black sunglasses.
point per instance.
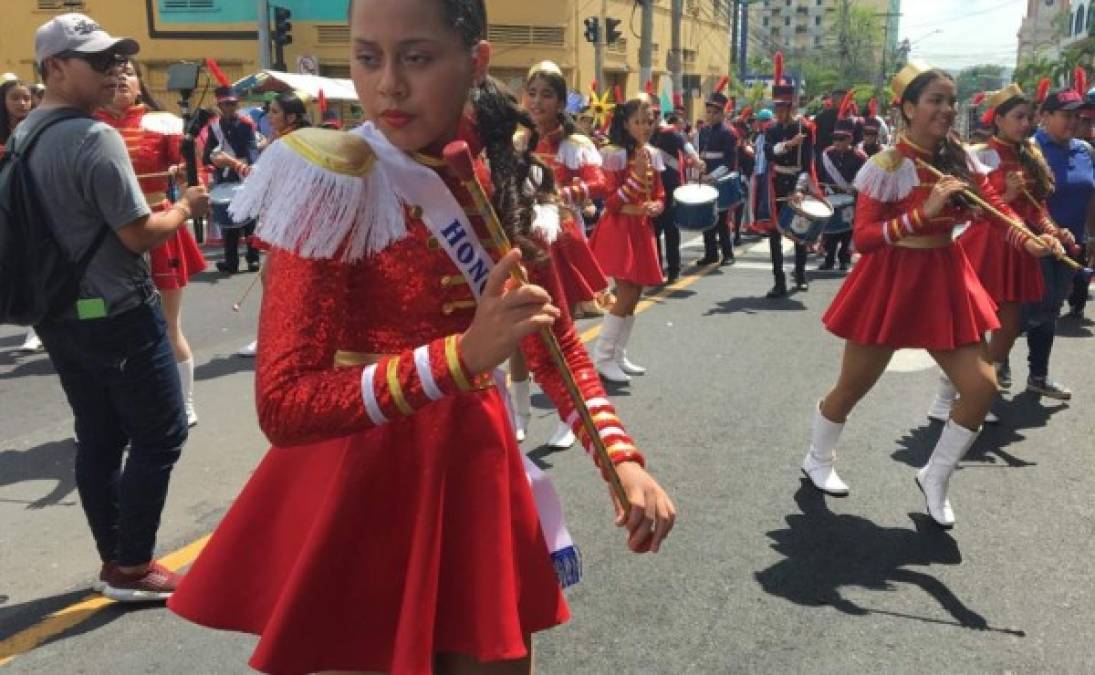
(100, 62)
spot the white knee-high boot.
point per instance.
(522, 407)
(934, 478)
(820, 462)
(186, 379)
(604, 351)
(621, 349)
(945, 396)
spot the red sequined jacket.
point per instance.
(576, 164)
(153, 140)
(408, 304)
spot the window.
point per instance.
(817, 20)
(184, 5)
(66, 5)
(786, 21)
(764, 22)
(1081, 14)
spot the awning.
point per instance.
(274, 81)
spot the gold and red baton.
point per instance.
(459, 159)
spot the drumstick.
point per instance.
(239, 303)
(458, 157)
(1013, 224)
(157, 174)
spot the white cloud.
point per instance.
(972, 31)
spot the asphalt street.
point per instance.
(762, 574)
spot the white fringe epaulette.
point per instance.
(162, 123)
(577, 151)
(889, 176)
(986, 154)
(317, 193)
(656, 159)
(546, 223)
(977, 165)
(613, 158)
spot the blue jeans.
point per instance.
(120, 377)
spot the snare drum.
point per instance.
(804, 221)
(730, 190)
(220, 197)
(695, 207)
(843, 214)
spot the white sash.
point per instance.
(834, 175)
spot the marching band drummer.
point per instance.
(789, 147)
(718, 147)
(871, 144)
(913, 288)
(840, 163)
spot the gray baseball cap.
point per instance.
(77, 33)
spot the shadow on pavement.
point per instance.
(540, 454)
(26, 364)
(1073, 328)
(51, 461)
(16, 618)
(826, 552)
(224, 365)
(756, 304)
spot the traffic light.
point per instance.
(593, 29)
(612, 30)
(282, 35)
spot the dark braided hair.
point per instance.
(951, 156)
(559, 86)
(1034, 165)
(618, 133)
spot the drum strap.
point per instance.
(834, 174)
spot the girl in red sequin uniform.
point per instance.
(576, 164)
(154, 138)
(913, 287)
(1010, 276)
(392, 528)
(624, 240)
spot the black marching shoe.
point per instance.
(802, 285)
(778, 291)
(672, 276)
(254, 266)
(226, 269)
(844, 266)
(727, 261)
(825, 266)
(706, 260)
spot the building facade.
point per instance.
(1040, 31)
(802, 26)
(522, 33)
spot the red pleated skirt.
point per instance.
(626, 249)
(912, 298)
(378, 550)
(1009, 275)
(176, 260)
(580, 276)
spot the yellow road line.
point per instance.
(75, 614)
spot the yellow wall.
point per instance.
(549, 30)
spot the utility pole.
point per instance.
(599, 48)
(743, 62)
(646, 46)
(676, 61)
(263, 15)
(733, 7)
(885, 16)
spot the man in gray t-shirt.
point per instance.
(110, 349)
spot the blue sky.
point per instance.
(973, 31)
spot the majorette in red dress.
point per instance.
(1009, 275)
(392, 518)
(578, 178)
(912, 287)
(153, 140)
(623, 240)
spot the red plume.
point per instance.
(217, 73)
(872, 107)
(1079, 80)
(721, 86)
(731, 104)
(322, 103)
(978, 98)
(678, 100)
(593, 86)
(988, 117)
(846, 105)
(745, 113)
(1043, 90)
(777, 69)
(618, 93)
(650, 87)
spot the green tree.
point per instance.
(984, 77)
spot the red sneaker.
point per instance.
(100, 584)
(155, 585)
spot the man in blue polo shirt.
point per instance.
(1069, 205)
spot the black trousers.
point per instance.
(842, 241)
(1077, 299)
(719, 238)
(232, 245)
(666, 224)
(775, 248)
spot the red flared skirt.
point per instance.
(626, 248)
(376, 551)
(580, 276)
(1009, 275)
(176, 260)
(912, 298)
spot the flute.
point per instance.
(1013, 224)
(458, 157)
